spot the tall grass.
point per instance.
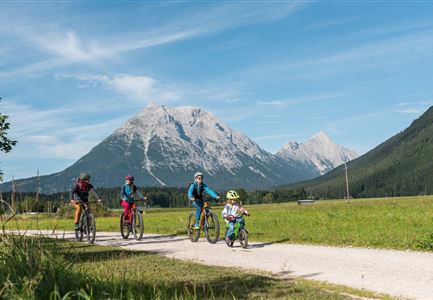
(42, 268)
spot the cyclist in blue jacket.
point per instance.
(195, 194)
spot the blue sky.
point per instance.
(72, 72)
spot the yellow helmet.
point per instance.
(232, 195)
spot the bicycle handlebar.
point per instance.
(87, 202)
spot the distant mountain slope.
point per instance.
(164, 146)
(402, 165)
(319, 152)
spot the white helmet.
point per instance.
(198, 174)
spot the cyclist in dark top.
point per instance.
(80, 193)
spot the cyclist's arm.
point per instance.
(139, 195)
(225, 212)
(244, 211)
(210, 191)
(95, 194)
(74, 196)
(190, 192)
(123, 194)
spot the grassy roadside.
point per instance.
(394, 223)
(37, 268)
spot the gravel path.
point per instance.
(406, 274)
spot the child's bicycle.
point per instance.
(208, 222)
(136, 226)
(86, 223)
(239, 233)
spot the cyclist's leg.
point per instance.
(77, 207)
(125, 206)
(131, 207)
(198, 204)
(231, 229)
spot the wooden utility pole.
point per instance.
(37, 192)
(14, 189)
(347, 182)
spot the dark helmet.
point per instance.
(129, 177)
(84, 176)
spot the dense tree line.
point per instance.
(157, 197)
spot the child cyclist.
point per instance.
(195, 194)
(129, 194)
(80, 193)
(233, 211)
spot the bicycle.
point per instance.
(239, 233)
(86, 223)
(136, 226)
(208, 222)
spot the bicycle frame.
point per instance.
(135, 216)
(205, 210)
(237, 226)
(208, 223)
(86, 223)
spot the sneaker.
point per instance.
(196, 226)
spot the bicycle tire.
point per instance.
(229, 242)
(212, 228)
(137, 225)
(193, 234)
(124, 229)
(91, 228)
(243, 238)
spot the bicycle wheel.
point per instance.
(124, 229)
(91, 228)
(193, 233)
(137, 225)
(212, 228)
(243, 238)
(229, 242)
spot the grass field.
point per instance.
(38, 268)
(397, 223)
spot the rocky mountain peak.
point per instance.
(320, 151)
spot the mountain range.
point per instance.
(164, 146)
(319, 153)
(400, 166)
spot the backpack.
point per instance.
(82, 187)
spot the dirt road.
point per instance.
(398, 273)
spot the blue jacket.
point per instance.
(130, 193)
(195, 190)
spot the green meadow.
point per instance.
(395, 223)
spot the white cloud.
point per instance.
(416, 108)
(271, 103)
(140, 89)
(66, 46)
(368, 55)
(300, 100)
(55, 133)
